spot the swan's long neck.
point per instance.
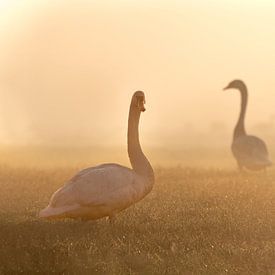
(138, 160)
(240, 129)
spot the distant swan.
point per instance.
(105, 190)
(249, 151)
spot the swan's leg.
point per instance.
(112, 219)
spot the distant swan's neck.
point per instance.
(240, 128)
(138, 160)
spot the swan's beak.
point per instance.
(225, 88)
(141, 106)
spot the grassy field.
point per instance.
(195, 221)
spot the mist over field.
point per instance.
(68, 70)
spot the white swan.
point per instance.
(249, 151)
(106, 189)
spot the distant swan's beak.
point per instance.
(225, 88)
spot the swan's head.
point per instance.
(236, 84)
(138, 100)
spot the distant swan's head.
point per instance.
(138, 100)
(236, 84)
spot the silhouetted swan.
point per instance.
(106, 189)
(249, 151)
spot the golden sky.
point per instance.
(68, 68)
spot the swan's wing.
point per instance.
(107, 184)
(250, 149)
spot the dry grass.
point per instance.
(196, 221)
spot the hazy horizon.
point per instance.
(68, 70)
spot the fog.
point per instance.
(68, 70)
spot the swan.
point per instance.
(106, 189)
(249, 151)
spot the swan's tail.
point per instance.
(265, 162)
(55, 212)
(47, 213)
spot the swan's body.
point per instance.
(249, 151)
(106, 189)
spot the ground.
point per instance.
(195, 221)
